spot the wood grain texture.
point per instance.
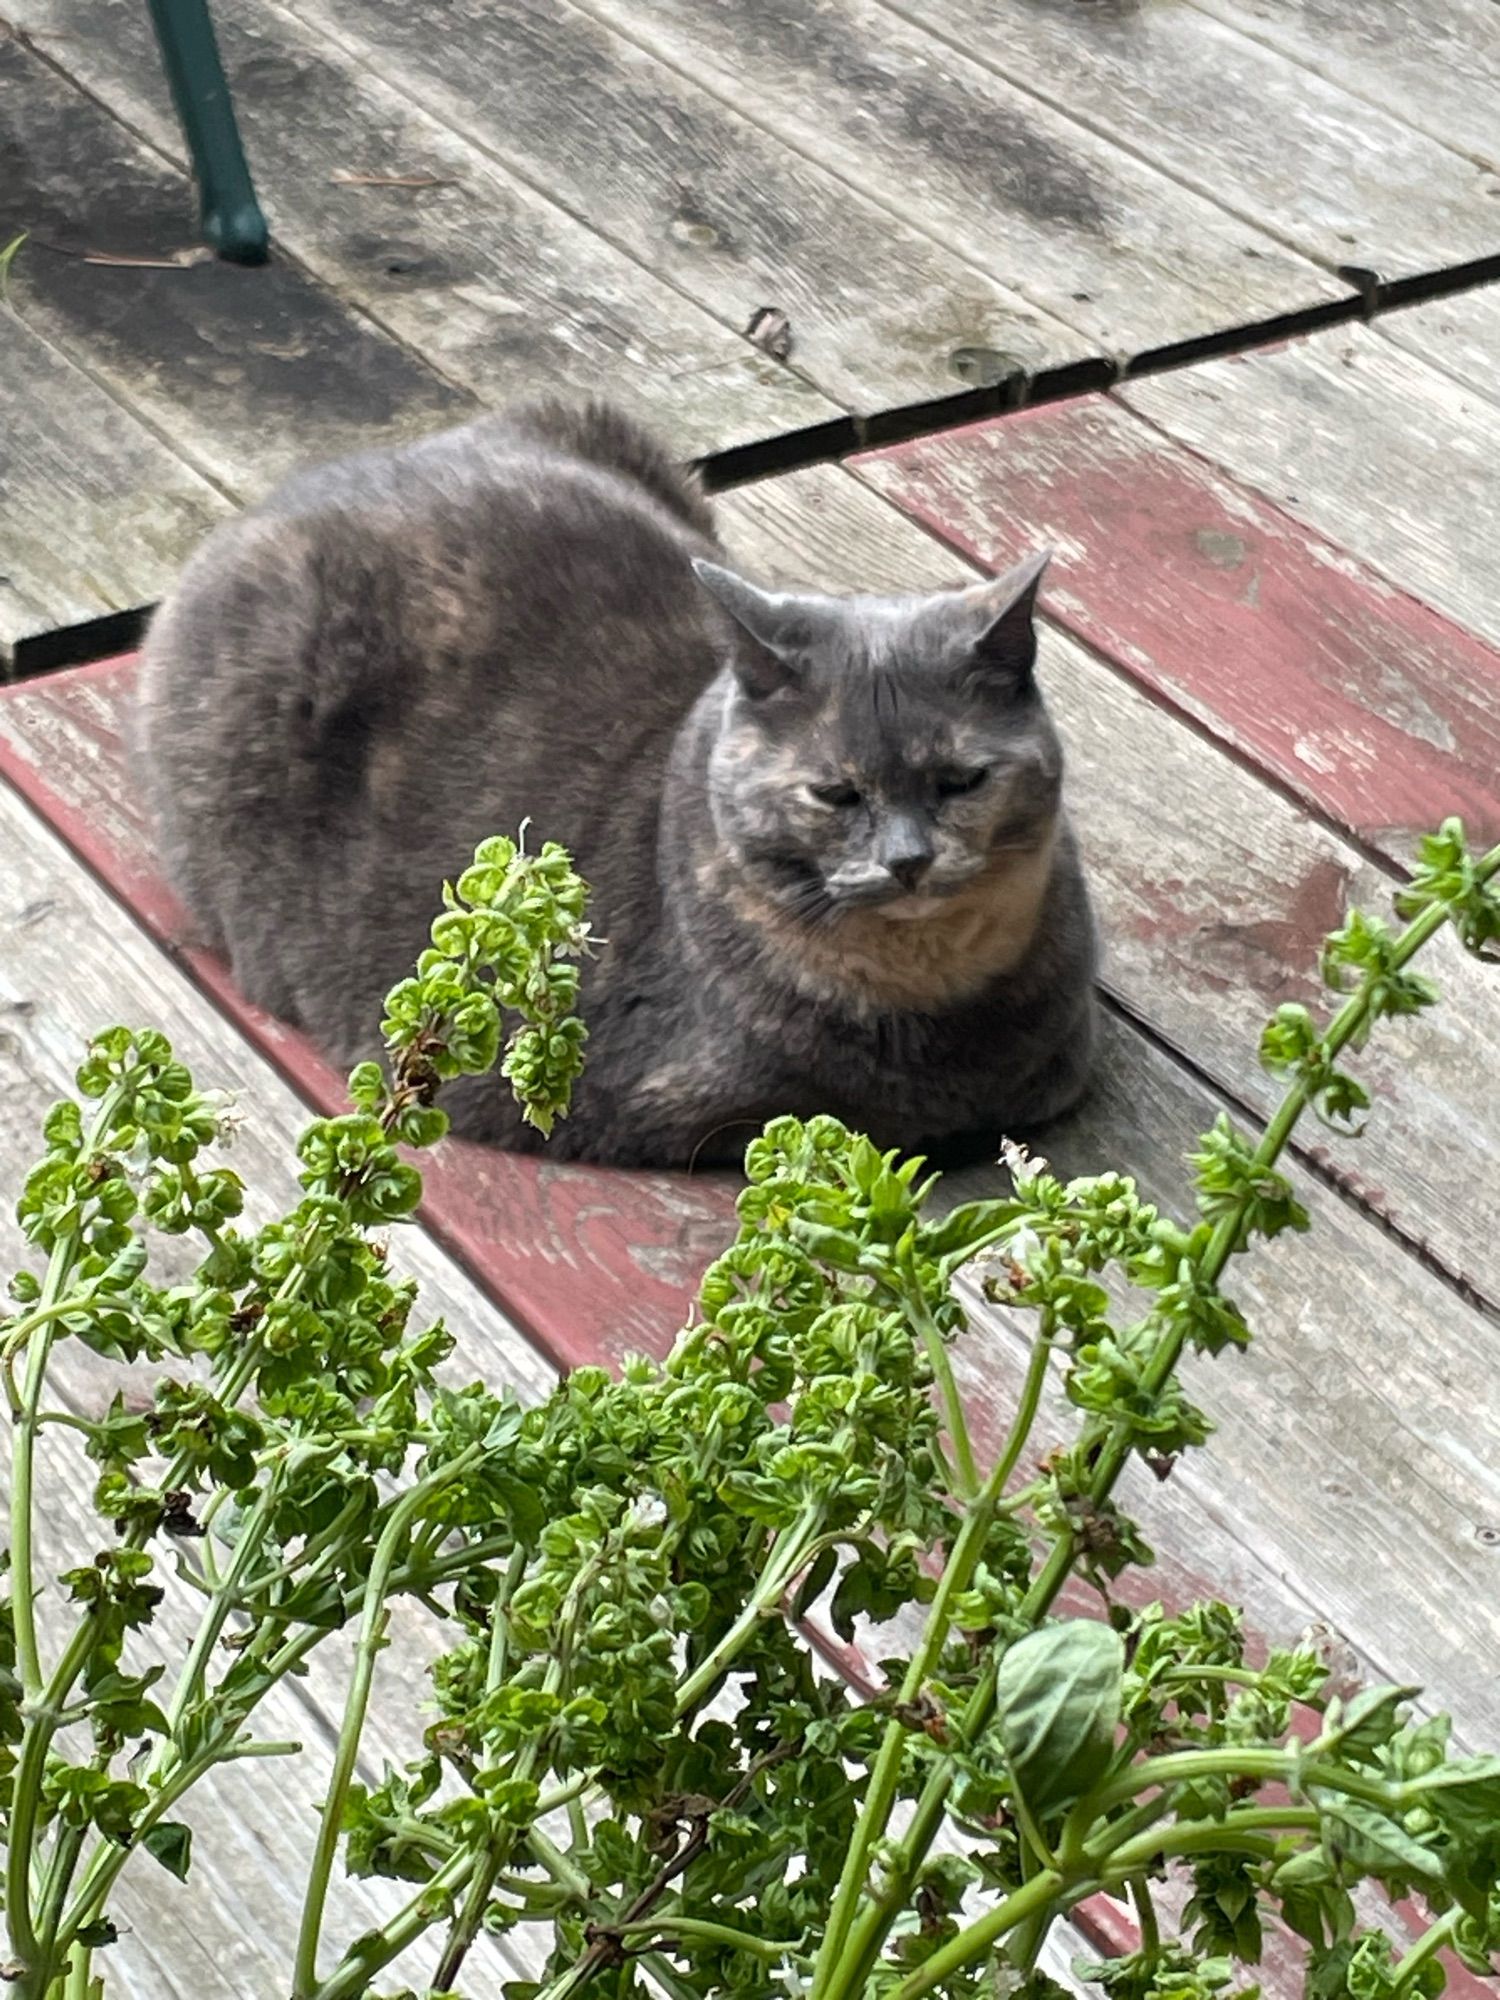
(585, 1259)
(1361, 1422)
(1214, 894)
(247, 371)
(826, 525)
(1436, 67)
(1379, 713)
(1081, 226)
(74, 962)
(230, 1931)
(1347, 432)
(1459, 335)
(1354, 1475)
(504, 292)
(1271, 139)
(694, 192)
(95, 512)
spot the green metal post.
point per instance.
(230, 215)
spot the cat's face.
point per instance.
(881, 753)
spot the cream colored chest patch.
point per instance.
(919, 955)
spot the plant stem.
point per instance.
(42, 1721)
(1145, 1916)
(50, 1305)
(788, 1553)
(558, 1865)
(465, 1927)
(981, 1937)
(352, 1977)
(1436, 1936)
(966, 1480)
(22, 1501)
(704, 1930)
(371, 1638)
(108, 1860)
(80, 1967)
(957, 1573)
(1266, 1766)
(217, 1611)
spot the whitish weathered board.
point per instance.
(1378, 712)
(95, 512)
(73, 961)
(1298, 153)
(273, 368)
(1434, 63)
(556, 132)
(1366, 1413)
(1459, 335)
(1036, 197)
(1215, 893)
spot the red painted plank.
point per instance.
(1371, 707)
(589, 1263)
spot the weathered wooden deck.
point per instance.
(1273, 627)
(472, 201)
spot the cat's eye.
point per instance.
(834, 795)
(955, 783)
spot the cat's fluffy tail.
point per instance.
(602, 435)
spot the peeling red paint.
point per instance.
(1367, 704)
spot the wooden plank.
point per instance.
(1040, 205)
(72, 961)
(1214, 893)
(1459, 335)
(1436, 67)
(95, 512)
(1283, 145)
(1386, 457)
(231, 1929)
(504, 292)
(1333, 1441)
(1215, 912)
(1200, 1550)
(1377, 712)
(702, 205)
(1078, 224)
(582, 1257)
(827, 525)
(75, 961)
(247, 372)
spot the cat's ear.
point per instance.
(993, 625)
(782, 627)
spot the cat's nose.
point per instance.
(910, 869)
(904, 849)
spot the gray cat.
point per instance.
(824, 835)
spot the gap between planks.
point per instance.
(1455, 357)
